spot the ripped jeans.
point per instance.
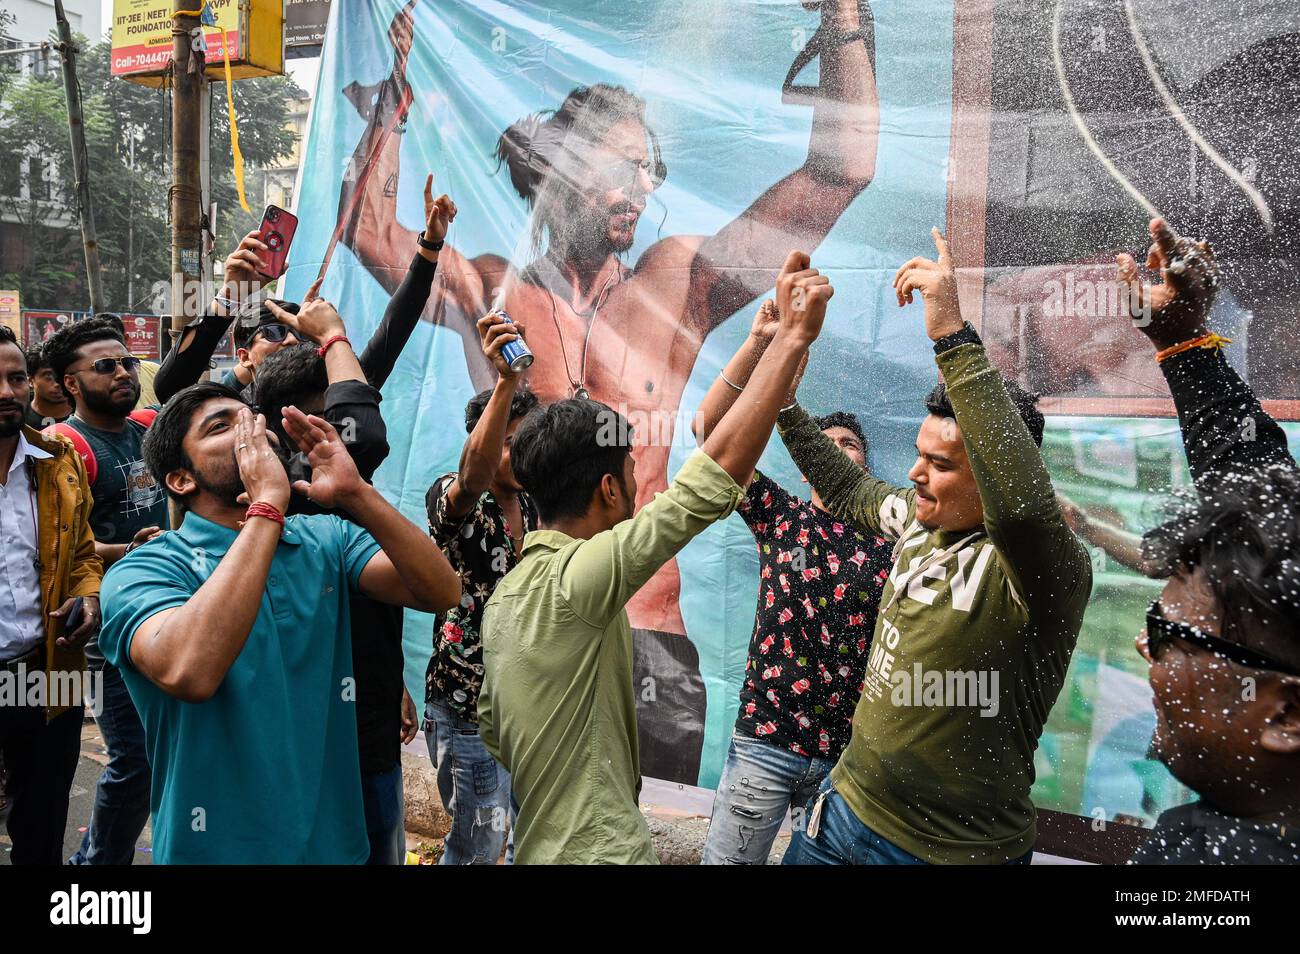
(760, 784)
(475, 788)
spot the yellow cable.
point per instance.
(230, 110)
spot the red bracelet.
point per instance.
(265, 510)
(326, 346)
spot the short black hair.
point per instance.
(561, 452)
(163, 447)
(288, 377)
(521, 405)
(36, 357)
(936, 402)
(7, 336)
(245, 328)
(1243, 532)
(62, 347)
(842, 419)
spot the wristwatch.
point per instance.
(431, 246)
(967, 335)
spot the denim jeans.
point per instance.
(760, 785)
(842, 839)
(381, 795)
(122, 796)
(475, 788)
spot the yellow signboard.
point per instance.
(142, 38)
(11, 312)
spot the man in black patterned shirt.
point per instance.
(819, 588)
(478, 516)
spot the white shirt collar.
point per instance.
(25, 450)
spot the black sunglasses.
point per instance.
(272, 331)
(109, 365)
(1161, 632)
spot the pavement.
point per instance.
(82, 800)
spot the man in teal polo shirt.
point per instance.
(233, 635)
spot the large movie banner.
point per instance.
(631, 175)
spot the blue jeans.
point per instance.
(381, 795)
(122, 796)
(475, 788)
(761, 783)
(842, 839)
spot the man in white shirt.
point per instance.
(48, 573)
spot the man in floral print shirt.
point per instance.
(478, 515)
(819, 588)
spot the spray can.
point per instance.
(516, 352)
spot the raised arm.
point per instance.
(727, 386)
(735, 265)
(603, 573)
(848, 491)
(481, 457)
(408, 301)
(1034, 545)
(1225, 429)
(409, 570)
(188, 360)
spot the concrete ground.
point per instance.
(82, 800)
(677, 814)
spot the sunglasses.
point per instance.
(272, 331)
(130, 364)
(1161, 632)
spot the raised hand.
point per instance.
(260, 468)
(438, 213)
(937, 283)
(317, 320)
(400, 33)
(801, 296)
(495, 333)
(243, 268)
(334, 477)
(1175, 310)
(766, 320)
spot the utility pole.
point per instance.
(77, 131)
(189, 89)
(189, 86)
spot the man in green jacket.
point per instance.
(558, 705)
(977, 620)
(47, 564)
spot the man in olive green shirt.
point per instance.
(558, 707)
(977, 620)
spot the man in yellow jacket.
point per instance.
(49, 607)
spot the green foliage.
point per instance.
(129, 182)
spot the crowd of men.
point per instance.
(244, 660)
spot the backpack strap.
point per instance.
(144, 416)
(82, 447)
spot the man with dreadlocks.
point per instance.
(627, 336)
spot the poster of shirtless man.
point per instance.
(625, 333)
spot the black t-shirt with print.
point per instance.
(479, 548)
(819, 589)
(127, 498)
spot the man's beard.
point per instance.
(9, 426)
(116, 405)
(224, 483)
